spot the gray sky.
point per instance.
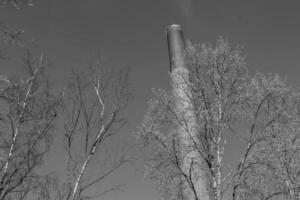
(130, 33)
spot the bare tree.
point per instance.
(216, 76)
(269, 164)
(92, 105)
(28, 110)
(261, 110)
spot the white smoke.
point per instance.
(186, 7)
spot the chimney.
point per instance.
(184, 107)
(175, 46)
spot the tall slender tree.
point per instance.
(28, 110)
(92, 106)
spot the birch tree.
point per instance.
(92, 106)
(216, 77)
(268, 168)
(261, 110)
(28, 110)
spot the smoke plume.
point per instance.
(185, 7)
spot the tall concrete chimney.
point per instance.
(175, 46)
(185, 110)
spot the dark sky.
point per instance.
(130, 33)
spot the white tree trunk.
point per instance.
(219, 151)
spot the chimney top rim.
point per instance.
(174, 26)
